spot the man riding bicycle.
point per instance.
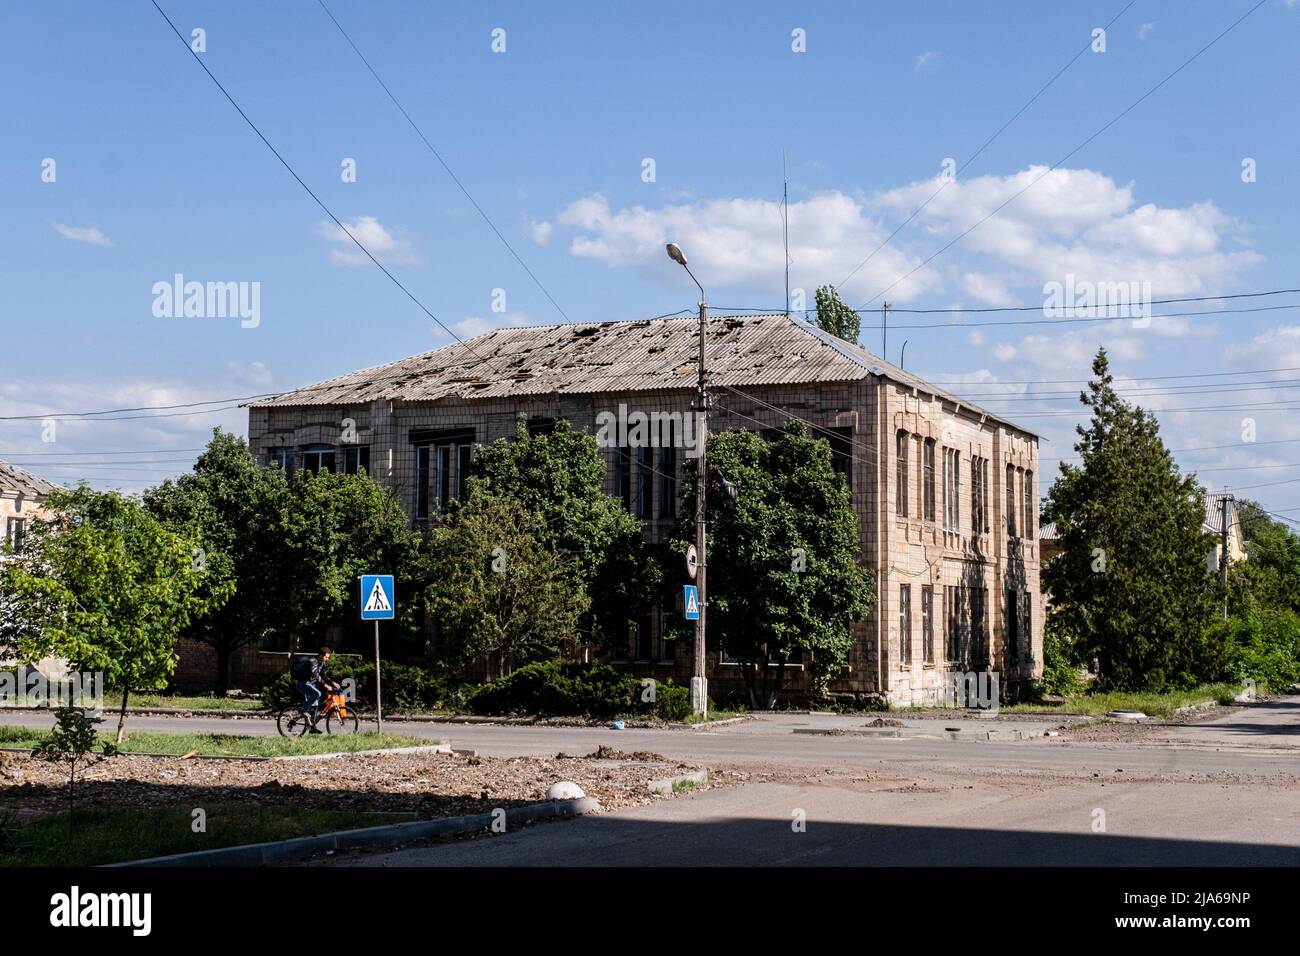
(313, 682)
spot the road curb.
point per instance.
(368, 838)
(665, 785)
(430, 749)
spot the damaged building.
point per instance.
(945, 491)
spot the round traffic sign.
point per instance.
(692, 561)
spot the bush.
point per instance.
(574, 689)
(405, 687)
(1062, 674)
(1263, 646)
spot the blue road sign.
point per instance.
(378, 600)
(692, 602)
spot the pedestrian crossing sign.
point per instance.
(692, 602)
(377, 598)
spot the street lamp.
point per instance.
(699, 683)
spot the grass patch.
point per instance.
(113, 700)
(1156, 704)
(713, 715)
(100, 835)
(229, 745)
(680, 785)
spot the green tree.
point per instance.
(75, 742)
(502, 595)
(560, 476)
(835, 317)
(1270, 575)
(237, 510)
(1130, 588)
(783, 578)
(107, 586)
(337, 528)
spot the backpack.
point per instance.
(302, 668)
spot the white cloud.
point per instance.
(1068, 222)
(927, 61)
(1144, 31)
(90, 234)
(737, 243)
(475, 325)
(541, 232)
(388, 248)
(160, 436)
(1081, 223)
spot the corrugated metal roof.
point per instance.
(13, 478)
(628, 356)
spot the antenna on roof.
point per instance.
(785, 229)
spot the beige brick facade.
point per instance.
(866, 414)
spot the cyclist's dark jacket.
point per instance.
(310, 669)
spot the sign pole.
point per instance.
(379, 698)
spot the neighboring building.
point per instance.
(946, 492)
(22, 497)
(1213, 524)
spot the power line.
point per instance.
(1128, 109)
(1030, 102)
(1282, 441)
(142, 451)
(329, 212)
(1062, 320)
(438, 156)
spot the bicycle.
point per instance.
(339, 717)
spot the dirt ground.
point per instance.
(428, 784)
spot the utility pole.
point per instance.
(699, 682)
(884, 332)
(1225, 506)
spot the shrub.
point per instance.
(572, 689)
(1263, 646)
(405, 687)
(1061, 671)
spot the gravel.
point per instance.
(429, 784)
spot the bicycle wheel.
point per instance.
(348, 724)
(292, 723)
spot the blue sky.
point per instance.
(156, 174)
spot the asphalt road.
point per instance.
(855, 824)
(1261, 740)
(1222, 792)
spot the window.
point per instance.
(644, 487)
(281, 458)
(905, 622)
(1011, 502)
(644, 638)
(318, 458)
(951, 490)
(463, 455)
(356, 459)
(422, 455)
(841, 442)
(1031, 513)
(668, 482)
(927, 624)
(1027, 624)
(667, 647)
(623, 476)
(979, 630)
(1012, 626)
(15, 531)
(979, 494)
(952, 600)
(900, 455)
(442, 461)
(927, 479)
